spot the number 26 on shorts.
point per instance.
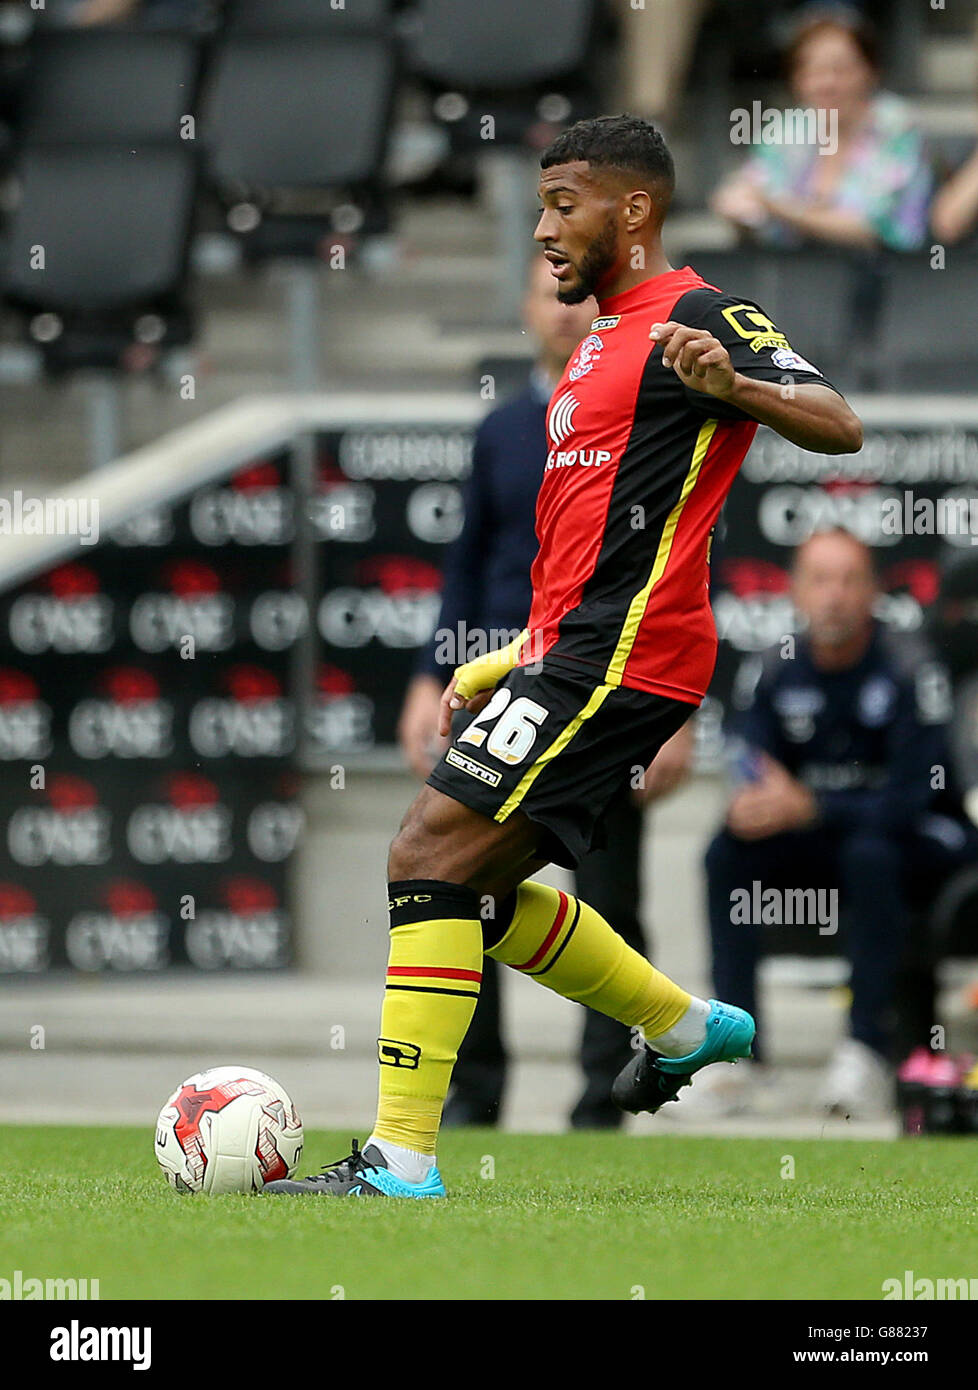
(515, 731)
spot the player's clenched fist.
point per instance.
(698, 359)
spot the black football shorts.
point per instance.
(557, 746)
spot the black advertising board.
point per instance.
(154, 718)
(387, 503)
(911, 494)
(148, 803)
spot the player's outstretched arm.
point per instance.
(809, 415)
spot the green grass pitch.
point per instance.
(578, 1216)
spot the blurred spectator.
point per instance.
(85, 14)
(843, 739)
(953, 623)
(656, 48)
(487, 591)
(872, 189)
(954, 213)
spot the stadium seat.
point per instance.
(948, 933)
(472, 46)
(740, 271)
(826, 302)
(104, 179)
(531, 67)
(849, 312)
(107, 86)
(277, 112)
(927, 339)
(307, 16)
(954, 919)
(296, 164)
(114, 227)
(529, 70)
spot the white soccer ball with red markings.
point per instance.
(229, 1129)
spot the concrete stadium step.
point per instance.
(949, 64)
(115, 1048)
(338, 1092)
(296, 1015)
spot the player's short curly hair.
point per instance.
(616, 142)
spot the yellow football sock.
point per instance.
(569, 947)
(433, 978)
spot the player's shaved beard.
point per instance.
(597, 263)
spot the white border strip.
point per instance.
(166, 471)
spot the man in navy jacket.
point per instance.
(843, 757)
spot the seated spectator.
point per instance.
(872, 189)
(845, 747)
(954, 214)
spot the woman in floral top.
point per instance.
(867, 184)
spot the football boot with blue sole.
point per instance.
(650, 1080)
(363, 1174)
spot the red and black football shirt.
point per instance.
(638, 468)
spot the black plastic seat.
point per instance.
(747, 272)
(307, 16)
(501, 46)
(927, 340)
(106, 86)
(286, 142)
(114, 226)
(279, 113)
(826, 302)
(532, 68)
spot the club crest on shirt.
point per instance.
(797, 707)
(586, 356)
(877, 697)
